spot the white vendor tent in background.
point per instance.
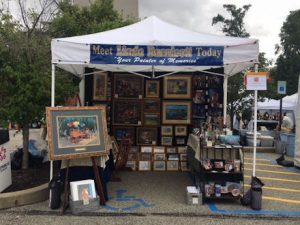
(297, 135)
(171, 44)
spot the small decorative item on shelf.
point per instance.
(237, 165)
(207, 165)
(218, 164)
(229, 166)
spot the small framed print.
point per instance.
(184, 166)
(172, 165)
(159, 165)
(182, 149)
(158, 149)
(151, 120)
(166, 130)
(132, 156)
(183, 157)
(171, 150)
(144, 165)
(166, 141)
(146, 149)
(134, 149)
(180, 130)
(121, 133)
(145, 156)
(152, 89)
(159, 157)
(180, 141)
(146, 136)
(131, 165)
(173, 157)
(152, 106)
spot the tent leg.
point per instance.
(225, 83)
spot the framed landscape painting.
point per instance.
(151, 120)
(177, 86)
(178, 112)
(128, 86)
(76, 132)
(100, 86)
(152, 106)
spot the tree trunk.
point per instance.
(25, 132)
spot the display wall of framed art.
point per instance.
(76, 132)
(176, 112)
(128, 86)
(146, 136)
(100, 86)
(152, 89)
(177, 87)
(127, 112)
(152, 106)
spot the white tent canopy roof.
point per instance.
(73, 53)
(289, 102)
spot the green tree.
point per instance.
(234, 26)
(287, 64)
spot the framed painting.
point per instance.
(152, 106)
(131, 165)
(176, 112)
(180, 140)
(76, 132)
(144, 165)
(166, 130)
(178, 87)
(146, 149)
(180, 130)
(159, 157)
(151, 120)
(159, 165)
(127, 112)
(124, 133)
(100, 86)
(146, 136)
(152, 89)
(158, 149)
(172, 165)
(166, 141)
(128, 86)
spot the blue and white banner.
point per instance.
(157, 55)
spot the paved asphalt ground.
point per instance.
(160, 198)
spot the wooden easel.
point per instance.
(99, 183)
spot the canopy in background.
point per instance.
(73, 53)
(289, 102)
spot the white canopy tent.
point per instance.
(74, 54)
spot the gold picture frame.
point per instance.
(176, 112)
(178, 87)
(152, 89)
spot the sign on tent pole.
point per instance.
(255, 81)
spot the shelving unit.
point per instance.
(221, 172)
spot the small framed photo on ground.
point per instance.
(172, 165)
(145, 157)
(158, 149)
(159, 166)
(83, 190)
(131, 165)
(166, 130)
(166, 141)
(144, 165)
(180, 130)
(146, 149)
(183, 157)
(159, 157)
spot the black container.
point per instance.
(4, 136)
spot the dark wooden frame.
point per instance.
(100, 85)
(175, 79)
(153, 136)
(134, 85)
(133, 108)
(148, 93)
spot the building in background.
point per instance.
(127, 8)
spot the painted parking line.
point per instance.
(263, 164)
(272, 171)
(277, 179)
(277, 189)
(280, 200)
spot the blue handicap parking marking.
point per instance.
(134, 202)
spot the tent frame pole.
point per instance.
(225, 87)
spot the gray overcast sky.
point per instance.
(262, 21)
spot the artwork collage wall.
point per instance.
(157, 114)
